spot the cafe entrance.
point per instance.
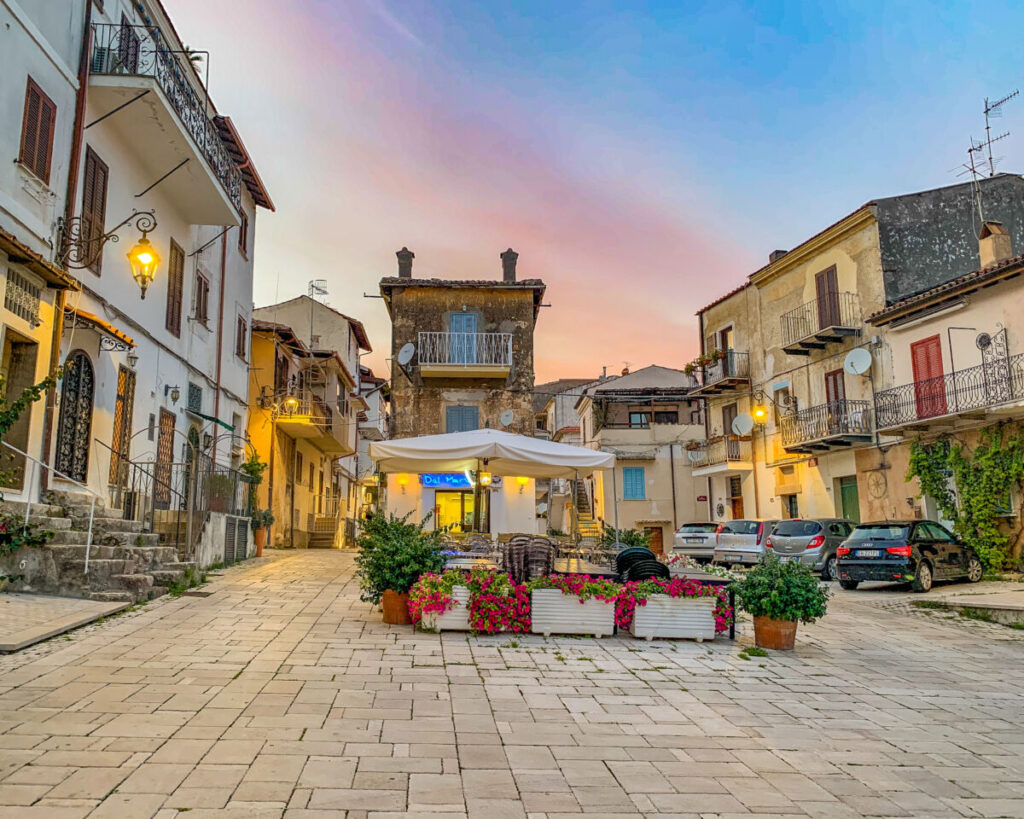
(456, 510)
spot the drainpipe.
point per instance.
(57, 333)
(672, 467)
(220, 341)
(707, 414)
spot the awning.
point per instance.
(19, 253)
(501, 453)
(84, 320)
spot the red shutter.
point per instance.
(175, 286)
(37, 131)
(94, 205)
(929, 383)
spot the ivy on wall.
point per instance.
(982, 479)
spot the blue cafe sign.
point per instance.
(445, 480)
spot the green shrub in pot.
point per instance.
(779, 595)
(393, 553)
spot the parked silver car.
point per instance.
(812, 542)
(696, 540)
(742, 541)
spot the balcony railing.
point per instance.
(722, 450)
(837, 423)
(725, 374)
(124, 50)
(975, 388)
(825, 320)
(465, 349)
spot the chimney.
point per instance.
(405, 257)
(625, 370)
(508, 265)
(775, 255)
(994, 244)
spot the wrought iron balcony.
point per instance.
(826, 320)
(959, 393)
(465, 355)
(836, 424)
(718, 454)
(730, 373)
(141, 51)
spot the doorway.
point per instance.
(164, 459)
(735, 497)
(454, 510)
(849, 498)
(929, 383)
(19, 370)
(74, 430)
(656, 539)
(790, 507)
(826, 285)
(124, 406)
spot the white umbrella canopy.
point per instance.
(504, 452)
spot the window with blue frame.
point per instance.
(462, 418)
(633, 484)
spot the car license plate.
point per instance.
(693, 540)
(734, 557)
(786, 558)
(868, 553)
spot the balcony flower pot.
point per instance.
(396, 607)
(779, 595)
(574, 604)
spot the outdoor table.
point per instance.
(467, 563)
(576, 565)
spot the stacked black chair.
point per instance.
(627, 557)
(646, 570)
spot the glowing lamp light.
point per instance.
(484, 478)
(522, 483)
(760, 413)
(291, 403)
(403, 481)
(144, 260)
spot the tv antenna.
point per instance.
(980, 151)
(994, 110)
(317, 287)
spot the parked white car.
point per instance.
(742, 542)
(696, 540)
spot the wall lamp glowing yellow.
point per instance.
(760, 414)
(291, 403)
(484, 478)
(403, 481)
(144, 260)
(522, 483)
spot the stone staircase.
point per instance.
(125, 563)
(588, 527)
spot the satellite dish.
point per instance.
(742, 424)
(857, 362)
(406, 353)
(507, 417)
(542, 508)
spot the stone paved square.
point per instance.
(282, 695)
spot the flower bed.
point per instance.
(573, 604)
(638, 593)
(483, 601)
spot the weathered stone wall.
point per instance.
(418, 407)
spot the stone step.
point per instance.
(34, 509)
(137, 584)
(100, 569)
(157, 591)
(69, 537)
(54, 523)
(111, 596)
(165, 577)
(70, 499)
(98, 513)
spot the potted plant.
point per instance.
(440, 602)
(484, 601)
(676, 608)
(262, 520)
(572, 604)
(392, 555)
(780, 595)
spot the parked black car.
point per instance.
(918, 551)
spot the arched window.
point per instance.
(75, 429)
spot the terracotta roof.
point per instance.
(357, 326)
(955, 287)
(240, 156)
(102, 325)
(542, 393)
(720, 299)
(20, 253)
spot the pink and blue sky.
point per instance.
(642, 157)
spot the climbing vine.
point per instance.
(971, 487)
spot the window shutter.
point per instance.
(462, 418)
(175, 284)
(94, 204)
(37, 131)
(633, 484)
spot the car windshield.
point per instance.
(698, 527)
(742, 527)
(880, 532)
(797, 528)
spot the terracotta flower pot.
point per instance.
(396, 608)
(259, 537)
(779, 635)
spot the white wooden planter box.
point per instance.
(552, 612)
(678, 617)
(456, 619)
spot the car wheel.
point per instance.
(922, 581)
(829, 573)
(849, 585)
(974, 569)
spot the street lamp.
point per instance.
(82, 245)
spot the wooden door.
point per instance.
(929, 382)
(656, 538)
(164, 459)
(121, 439)
(74, 430)
(827, 286)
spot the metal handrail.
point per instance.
(734, 364)
(832, 309)
(465, 349)
(721, 450)
(832, 419)
(69, 479)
